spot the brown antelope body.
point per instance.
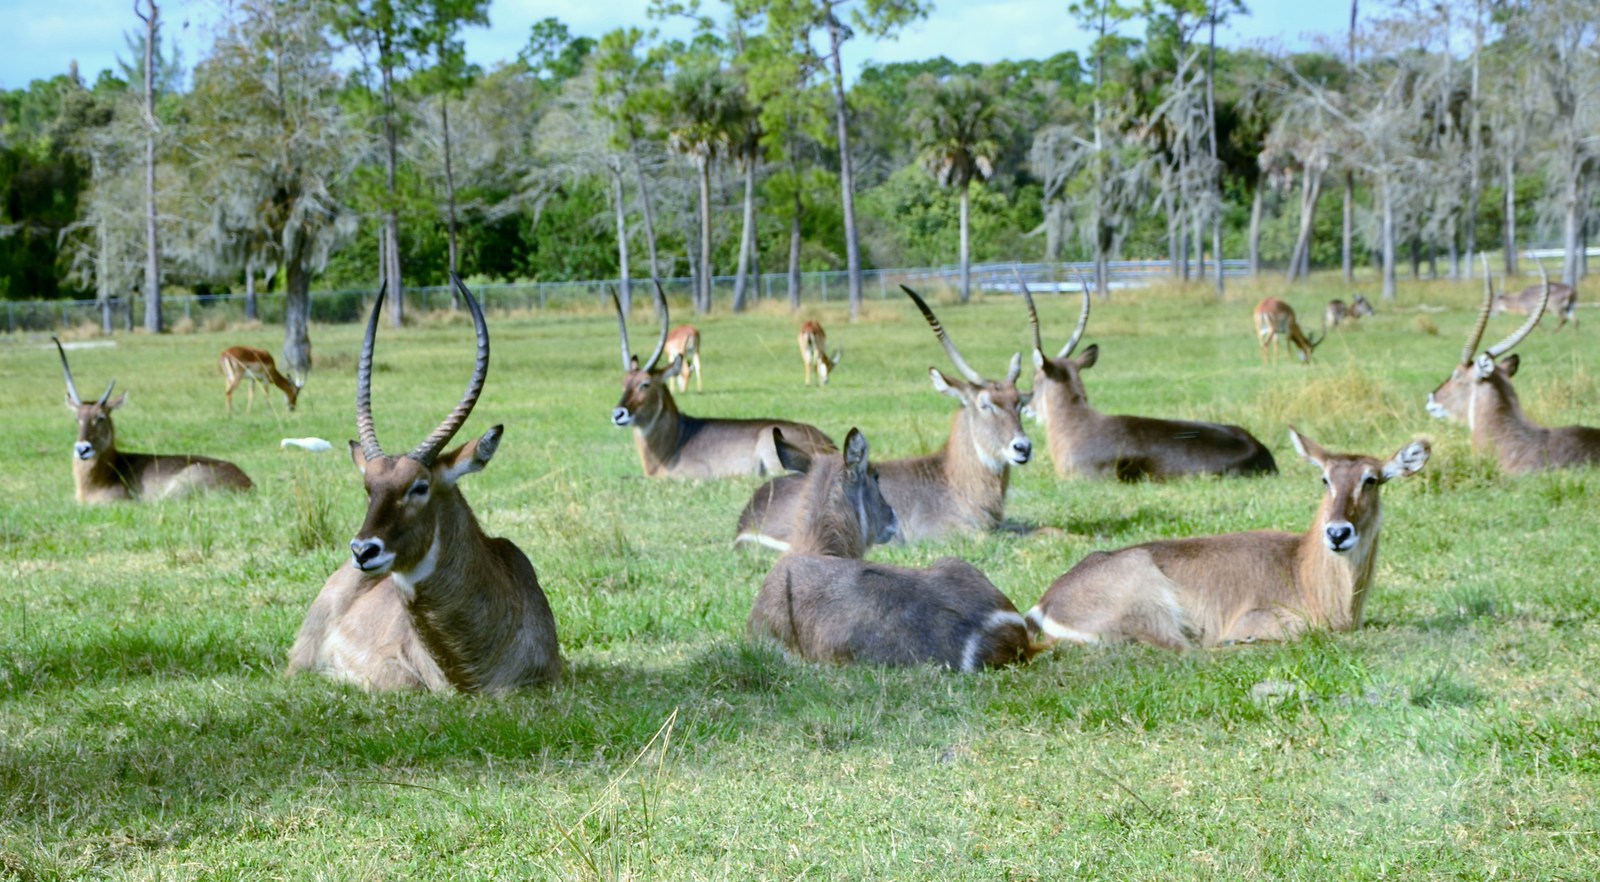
(1238, 587)
(102, 473)
(814, 352)
(1275, 321)
(675, 445)
(428, 600)
(1339, 312)
(1479, 393)
(1091, 444)
(240, 363)
(959, 488)
(684, 342)
(1562, 302)
(825, 604)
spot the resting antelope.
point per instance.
(428, 600)
(814, 352)
(1563, 302)
(1274, 321)
(962, 487)
(684, 342)
(676, 445)
(824, 603)
(102, 473)
(1238, 587)
(1479, 392)
(1338, 312)
(1090, 444)
(239, 363)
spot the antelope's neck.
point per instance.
(1333, 587)
(1498, 422)
(978, 483)
(660, 442)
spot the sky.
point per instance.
(48, 34)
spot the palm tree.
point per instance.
(705, 102)
(959, 124)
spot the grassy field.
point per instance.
(147, 730)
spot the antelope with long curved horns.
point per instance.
(428, 600)
(102, 473)
(959, 488)
(1479, 393)
(1090, 444)
(675, 445)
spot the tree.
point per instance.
(152, 256)
(706, 107)
(960, 123)
(1101, 18)
(628, 92)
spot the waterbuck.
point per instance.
(1275, 320)
(428, 600)
(1238, 587)
(102, 473)
(1479, 393)
(673, 444)
(1562, 302)
(1088, 443)
(961, 487)
(1339, 312)
(825, 604)
(814, 352)
(240, 363)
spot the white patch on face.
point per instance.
(1435, 409)
(407, 582)
(990, 462)
(83, 450)
(622, 417)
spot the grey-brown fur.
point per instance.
(1339, 312)
(1563, 302)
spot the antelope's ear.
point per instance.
(793, 458)
(1510, 363)
(944, 385)
(469, 457)
(358, 456)
(117, 402)
(633, 362)
(673, 369)
(855, 454)
(1408, 461)
(1308, 449)
(1089, 357)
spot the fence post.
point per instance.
(824, 275)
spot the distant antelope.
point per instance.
(674, 444)
(814, 352)
(1479, 392)
(102, 473)
(1338, 312)
(960, 488)
(684, 342)
(1275, 320)
(1090, 444)
(1237, 587)
(1563, 302)
(822, 602)
(239, 363)
(428, 600)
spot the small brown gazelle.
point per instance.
(240, 363)
(814, 352)
(1274, 321)
(684, 342)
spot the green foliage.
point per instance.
(910, 221)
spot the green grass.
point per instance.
(147, 730)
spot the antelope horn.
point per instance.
(107, 397)
(661, 343)
(949, 346)
(430, 446)
(1534, 315)
(370, 448)
(1033, 314)
(72, 388)
(1083, 320)
(1473, 338)
(622, 328)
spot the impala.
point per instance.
(1090, 444)
(239, 363)
(814, 352)
(824, 603)
(684, 342)
(1479, 392)
(1274, 321)
(1563, 302)
(1238, 587)
(961, 487)
(428, 600)
(674, 444)
(102, 473)
(1338, 312)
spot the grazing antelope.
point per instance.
(239, 363)
(102, 473)
(1088, 443)
(684, 342)
(1338, 312)
(962, 487)
(1563, 302)
(1274, 321)
(824, 603)
(676, 445)
(1238, 587)
(1479, 392)
(427, 600)
(814, 352)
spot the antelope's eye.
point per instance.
(419, 489)
(1368, 481)
(644, 385)
(1324, 480)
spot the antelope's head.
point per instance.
(845, 511)
(1350, 508)
(411, 497)
(96, 434)
(1485, 373)
(1361, 306)
(644, 388)
(1058, 381)
(991, 409)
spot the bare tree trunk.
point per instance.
(1509, 164)
(645, 210)
(1572, 226)
(1347, 242)
(1387, 196)
(1474, 139)
(1256, 201)
(747, 235)
(391, 217)
(102, 281)
(847, 185)
(704, 297)
(1211, 134)
(619, 204)
(966, 251)
(152, 253)
(1310, 192)
(297, 314)
(450, 200)
(250, 310)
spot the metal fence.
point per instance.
(334, 307)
